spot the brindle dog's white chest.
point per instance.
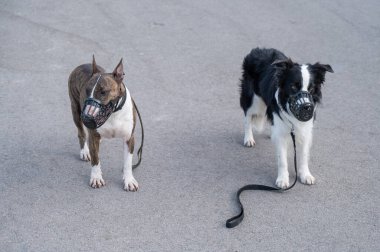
(119, 124)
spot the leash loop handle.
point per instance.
(236, 220)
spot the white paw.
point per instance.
(97, 182)
(130, 184)
(249, 142)
(282, 183)
(307, 179)
(85, 154)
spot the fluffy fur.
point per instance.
(269, 78)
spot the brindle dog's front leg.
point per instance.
(96, 180)
(130, 183)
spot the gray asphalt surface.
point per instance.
(183, 68)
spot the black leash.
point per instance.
(139, 152)
(234, 221)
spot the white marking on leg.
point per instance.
(85, 152)
(304, 143)
(130, 183)
(305, 77)
(248, 135)
(96, 180)
(259, 111)
(282, 180)
(255, 118)
(281, 137)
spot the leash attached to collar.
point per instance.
(236, 220)
(139, 152)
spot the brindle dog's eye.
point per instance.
(102, 92)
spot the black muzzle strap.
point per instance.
(236, 220)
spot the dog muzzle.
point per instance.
(95, 114)
(302, 106)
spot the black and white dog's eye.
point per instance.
(294, 87)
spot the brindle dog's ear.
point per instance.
(95, 68)
(282, 63)
(118, 73)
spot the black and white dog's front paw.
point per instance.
(282, 182)
(249, 141)
(130, 184)
(307, 179)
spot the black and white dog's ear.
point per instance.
(322, 67)
(118, 73)
(282, 63)
(319, 72)
(95, 68)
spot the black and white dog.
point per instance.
(286, 93)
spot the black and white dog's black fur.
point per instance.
(269, 77)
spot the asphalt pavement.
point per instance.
(183, 64)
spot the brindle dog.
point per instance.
(92, 79)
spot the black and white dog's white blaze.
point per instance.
(286, 93)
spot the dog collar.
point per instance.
(121, 100)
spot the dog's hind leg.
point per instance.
(258, 109)
(249, 141)
(130, 183)
(246, 103)
(254, 119)
(82, 132)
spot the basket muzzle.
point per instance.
(95, 114)
(302, 106)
